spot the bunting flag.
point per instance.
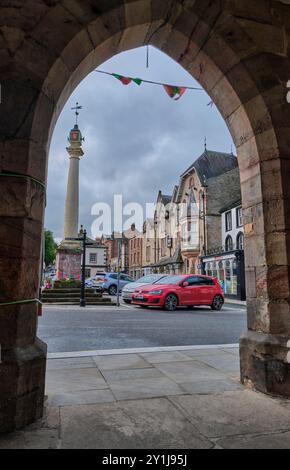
(127, 80)
(175, 92)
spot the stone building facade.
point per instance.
(136, 255)
(188, 223)
(227, 262)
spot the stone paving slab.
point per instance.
(117, 375)
(39, 439)
(269, 441)
(145, 388)
(210, 386)
(182, 372)
(170, 356)
(238, 412)
(72, 380)
(224, 362)
(189, 398)
(144, 424)
(85, 397)
(70, 363)
(126, 361)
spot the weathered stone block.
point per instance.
(20, 197)
(22, 380)
(18, 325)
(264, 364)
(77, 50)
(133, 37)
(258, 314)
(267, 37)
(137, 13)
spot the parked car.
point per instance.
(110, 282)
(130, 288)
(183, 290)
(95, 282)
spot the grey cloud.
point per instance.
(137, 140)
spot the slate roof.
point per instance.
(165, 199)
(175, 259)
(230, 206)
(211, 164)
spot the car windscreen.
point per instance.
(170, 280)
(148, 279)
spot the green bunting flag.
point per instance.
(175, 92)
(127, 80)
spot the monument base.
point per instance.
(68, 262)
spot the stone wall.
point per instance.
(239, 52)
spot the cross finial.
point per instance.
(205, 144)
(76, 109)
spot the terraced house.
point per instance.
(188, 223)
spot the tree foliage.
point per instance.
(50, 248)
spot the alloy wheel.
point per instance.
(113, 290)
(217, 303)
(171, 302)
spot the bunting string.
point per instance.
(173, 91)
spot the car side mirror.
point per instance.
(185, 284)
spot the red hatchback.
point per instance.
(177, 291)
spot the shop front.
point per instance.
(229, 269)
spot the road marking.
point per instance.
(109, 352)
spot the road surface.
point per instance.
(67, 329)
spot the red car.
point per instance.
(182, 290)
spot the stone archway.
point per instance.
(238, 51)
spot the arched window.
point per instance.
(240, 241)
(229, 243)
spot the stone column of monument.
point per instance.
(68, 261)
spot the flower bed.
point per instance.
(67, 284)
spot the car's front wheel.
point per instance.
(171, 302)
(127, 301)
(112, 290)
(217, 303)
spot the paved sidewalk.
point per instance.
(187, 397)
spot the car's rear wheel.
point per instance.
(112, 290)
(171, 302)
(217, 303)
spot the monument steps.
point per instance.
(72, 297)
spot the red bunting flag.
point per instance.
(175, 92)
(127, 80)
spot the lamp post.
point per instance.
(83, 287)
(119, 269)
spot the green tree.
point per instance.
(50, 248)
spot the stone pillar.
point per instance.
(23, 355)
(265, 176)
(71, 217)
(68, 261)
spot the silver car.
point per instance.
(129, 289)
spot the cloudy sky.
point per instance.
(137, 140)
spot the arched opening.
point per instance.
(229, 243)
(240, 241)
(245, 77)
